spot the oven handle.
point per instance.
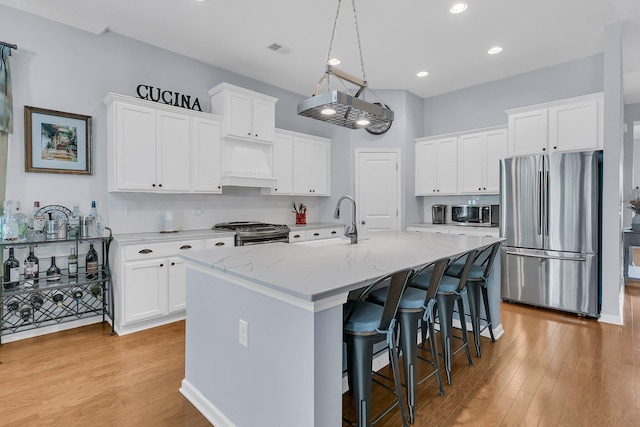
(262, 242)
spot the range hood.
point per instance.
(247, 163)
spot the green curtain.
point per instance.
(6, 98)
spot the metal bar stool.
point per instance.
(476, 284)
(450, 292)
(366, 324)
(417, 305)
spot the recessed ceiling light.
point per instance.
(422, 73)
(328, 111)
(494, 50)
(334, 61)
(363, 121)
(458, 8)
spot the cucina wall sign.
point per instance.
(176, 99)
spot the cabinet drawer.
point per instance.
(156, 250)
(326, 233)
(224, 242)
(297, 236)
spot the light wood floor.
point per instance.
(549, 369)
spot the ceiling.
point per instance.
(398, 38)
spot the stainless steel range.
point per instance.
(255, 233)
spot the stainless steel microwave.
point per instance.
(480, 215)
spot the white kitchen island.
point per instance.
(290, 298)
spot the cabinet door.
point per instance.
(205, 139)
(471, 164)
(528, 133)
(303, 164)
(239, 115)
(320, 174)
(174, 151)
(283, 164)
(144, 290)
(426, 184)
(495, 148)
(177, 284)
(135, 157)
(264, 120)
(447, 166)
(574, 127)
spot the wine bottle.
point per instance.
(73, 265)
(25, 312)
(92, 263)
(53, 272)
(11, 271)
(96, 290)
(77, 295)
(58, 298)
(36, 300)
(13, 305)
(31, 268)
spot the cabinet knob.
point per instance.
(161, 265)
(159, 185)
(275, 189)
(297, 236)
(484, 188)
(173, 263)
(555, 148)
(362, 222)
(335, 232)
(249, 134)
(256, 135)
(544, 149)
(153, 185)
(185, 247)
(433, 190)
(219, 243)
(479, 188)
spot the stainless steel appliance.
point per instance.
(255, 233)
(551, 217)
(477, 215)
(439, 214)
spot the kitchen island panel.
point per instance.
(292, 355)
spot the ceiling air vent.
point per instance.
(276, 47)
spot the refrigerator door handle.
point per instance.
(561, 258)
(539, 196)
(546, 203)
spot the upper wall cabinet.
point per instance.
(574, 124)
(152, 147)
(479, 155)
(246, 114)
(436, 166)
(301, 164)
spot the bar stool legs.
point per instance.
(359, 351)
(445, 310)
(473, 292)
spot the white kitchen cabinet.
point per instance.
(479, 161)
(315, 233)
(311, 166)
(206, 156)
(436, 166)
(573, 124)
(302, 165)
(247, 114)
(150, 281)
(152, 147)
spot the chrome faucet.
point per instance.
(351, 231)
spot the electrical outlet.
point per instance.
(198, 210)
(243, 333)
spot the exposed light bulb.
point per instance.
(328, 111)
(363, 121)
(422, 73)
(333, 62)
(494, 50)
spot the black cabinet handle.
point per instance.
(173, 263)
(316, 234)
(219, 243)
(334, 232)
(145, 251)
(185, 247)
(161, 265)
(296, 236)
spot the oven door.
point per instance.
(263, 240)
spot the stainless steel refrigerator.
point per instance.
(551, 218)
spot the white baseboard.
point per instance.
(202, 404)
(608, 318)
(50, 329)
(148, 324)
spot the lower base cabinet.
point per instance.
(151, 285)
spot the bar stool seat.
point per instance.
(366, 324)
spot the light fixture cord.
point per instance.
(333, 36)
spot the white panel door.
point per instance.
(377, 191)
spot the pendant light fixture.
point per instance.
(344, 109)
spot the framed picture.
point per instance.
(57, 142)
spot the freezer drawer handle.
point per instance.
(561, 258)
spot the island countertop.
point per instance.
(312, 273)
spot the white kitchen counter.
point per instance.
(454, 229)
(171, 237)
(286, 301)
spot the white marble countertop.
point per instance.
(312, 273)
(171, 237)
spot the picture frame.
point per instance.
(57, 142)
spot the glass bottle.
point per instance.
(25, 312)
(73, 265)
(36, 300)
(22, 221)
(53, 272)
(37, 219)
(58, 298)
(96, 290)
(13, 305)
(98, 226)
(74, 221)
(10, 223)
(11, 271)
(31, 268)
(77, 295)
(92, 263)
